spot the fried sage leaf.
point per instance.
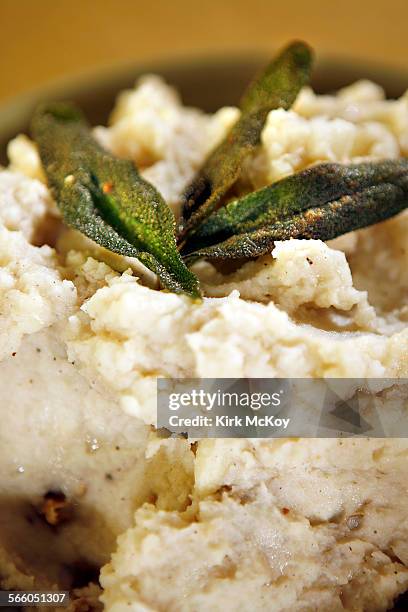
(363, 195)
(313, 187)
(106, 198)
(277, 87)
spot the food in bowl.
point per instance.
(110, 242)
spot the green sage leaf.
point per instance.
(313, 187)
(365, 194)
(106, 198)
(277, 87)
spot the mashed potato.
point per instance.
(248, 525)
(275, 525)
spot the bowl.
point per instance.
(206, 82)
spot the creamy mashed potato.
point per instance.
(274, 525)
(247, 525)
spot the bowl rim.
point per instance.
(16, 110)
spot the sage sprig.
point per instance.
(106, 198)
(322, 202)
(277, 87)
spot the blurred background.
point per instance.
(44, 39)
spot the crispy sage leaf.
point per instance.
(277, 87)
(105, 198)
(313, 187)
(372, 193)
